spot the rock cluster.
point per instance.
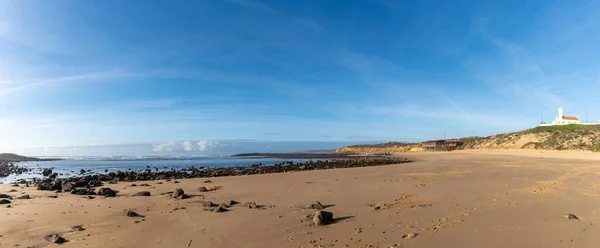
(8, 168)
(87, 181)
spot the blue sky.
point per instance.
(119, 72)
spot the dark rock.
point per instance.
(145, 185)
(322, 218)
(159, 183)
(184, 196)
(176, 181)
(178, 193)
(91, 197)
(68, 186)
(133, 185)
(15, 185)
(315, 205)
(52, 196)
(231, 203)
(55, 238)
(2, 196)
(24, 197)
(108, 192)
(47, 172)
(82, 171)
(58, 191)
(571, 217)
(207, 203)
(9, 206)
(208, 181)
(133, 214)
(78, 228)
(83, 191)
(53, 176)
(56, 185)
(44, 186)
(202, 189)
(250, 205)
(4, 201)
(221, 208)
(142, 193)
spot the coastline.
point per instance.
(297, 155)
(439, 200)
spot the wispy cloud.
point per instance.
(17, 87)
(303, 21)
(254, 5)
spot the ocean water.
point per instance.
(71, 166)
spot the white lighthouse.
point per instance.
(560, 115)
(564, 120)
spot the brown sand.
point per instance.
(458, 199)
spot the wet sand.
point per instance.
(457, 199)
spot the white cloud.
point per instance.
(165, 147)
(187, 146)
(207, 144)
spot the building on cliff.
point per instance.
(441, 145)
(562, 119)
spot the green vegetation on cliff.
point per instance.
(564, 137)
(11, 157)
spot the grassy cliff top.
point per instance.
(560, 137)
(11, 157)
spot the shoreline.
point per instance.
(297, 155)
(52, 181)
(516, 199)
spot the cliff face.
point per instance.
(381, 148)
(568, 137)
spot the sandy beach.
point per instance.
(447, 199)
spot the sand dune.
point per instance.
(458, 199)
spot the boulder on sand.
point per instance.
(133, 214)
(221, 208)
(68, 186)
(108, 192)
(250, 205)
(178, 193)
(83, 191)
(142, 193)
(315, 205)
(322, 218)
(55, 238)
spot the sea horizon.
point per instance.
(187, 148)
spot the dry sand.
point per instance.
(456, 199)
